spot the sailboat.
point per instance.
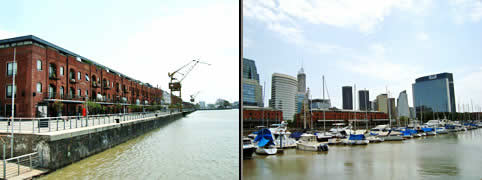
(325, 136)
(356, 137)
(391, 135)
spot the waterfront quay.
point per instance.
(454, 155)
(58, 143)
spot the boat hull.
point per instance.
(266, 151)
(248, 152)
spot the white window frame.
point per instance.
(39, 65)
(39, 84)
(13, 88)
(14, 68)
(79, 75)
(61, 70)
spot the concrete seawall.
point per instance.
(61, 148)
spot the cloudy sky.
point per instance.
(373, 43)
(142, 40)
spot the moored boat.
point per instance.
(308, 142)
(248, 148)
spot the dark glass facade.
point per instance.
(363, 99)
(249, 70)
(434, 93)
(347, 97)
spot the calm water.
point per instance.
(449, 156)
(202, 145)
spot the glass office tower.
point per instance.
(434, 93)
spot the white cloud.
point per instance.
(6, 34)
(210, 34)
(466, 10)
(422, 36)
(465, 88)
(363, 15)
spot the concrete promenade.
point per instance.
(63, 147)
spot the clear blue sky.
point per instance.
(373, 44)
(142, 39)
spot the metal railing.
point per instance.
(51, 124)
(17, 165)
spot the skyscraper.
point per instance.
(252, 91)
(393, 109)
(347, 95)
(363, 99)
(301, 81)
(381, 102)
(434, 92)
(402, 105)
(283, 93)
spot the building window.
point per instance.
(39, 87)
(9, 91)
(79, 75)
(79, 92)
(39, 65)
(11, 68)
(86, 93)
(61, 71)
(61, 92)
(87, 77)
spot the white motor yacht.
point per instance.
(308, 142)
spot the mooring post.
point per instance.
(4, 163)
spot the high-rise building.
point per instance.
(300, 98)
(434, 93)
(381, 103)
(252, 90)
(347, 95)
(301, 81)
(363, 99)
(393, 109)
(402, 105)
(283, 93)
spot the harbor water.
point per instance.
(448, 156)
(201, 145)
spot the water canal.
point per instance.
(449, 156)
(202, 145)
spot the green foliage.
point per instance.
(58, 106)
(93, 107)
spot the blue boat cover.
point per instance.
(427, 129)
(356, 137)
(409, 132)
(264, 137)
(448, 126)
(373, 134)
(296, 135)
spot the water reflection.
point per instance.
(448, 156)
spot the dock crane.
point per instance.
(176, 78)
(193, 97)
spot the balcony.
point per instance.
(53, 76)
(51, 95)
(94, 84)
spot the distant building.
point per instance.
(402, 105)
(381, 103)
(283, 93)
(301, 81)
(434, 93)
(363, 97)
(413, 115)
(347, 97)
(300, 98)
(256, 116)
(320, 104)
(252, 90)
(202, 104)
(393, 109)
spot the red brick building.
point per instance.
(46, 73)
(340, 116)
(255, 116)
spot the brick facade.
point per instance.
(92, 81)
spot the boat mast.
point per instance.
(388, 104)
(355, 105)
(311, 113)
(324, 118)
(366, 110)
